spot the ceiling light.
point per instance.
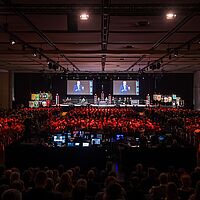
(175, 52)
(170, 15)
(34, 54)
(12, 41)
(84, 16)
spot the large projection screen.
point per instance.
(79, 87)
(125, 87)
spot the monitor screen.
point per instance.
(70, 144)
(161, 138)
(59, 138)
(125, 87)
(96, 141)
(119, 137)
(86, 144)
(99, 136)
(77, 144)
(80, 87)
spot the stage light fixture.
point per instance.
(158, 65)
(12, 41)
(151, 66)
(175, 52)
(170, 15)
(34, 54)
(50, 65)
(84, 16)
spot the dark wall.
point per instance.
(180, 84)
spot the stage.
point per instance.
(101, 105)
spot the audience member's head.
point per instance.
(15, 176)
(114, 191)
(3, 188)
(18, 185)
(40, 179)
(109, 180)
(163, 179)
(186, 180)
(61, 169)
(80, 190)
(66, 180)
(91, 175)
(11, 194)
(49, 173)
(70, 172)
(172, 193)
(49, 185)
(56, 175)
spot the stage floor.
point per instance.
(101, 105)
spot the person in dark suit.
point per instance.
(124, 87)
(78, 87)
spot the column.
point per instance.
(6, 87)
(196, 91)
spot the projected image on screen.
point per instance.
(80, 87)
(126, 87)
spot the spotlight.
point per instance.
(34, 54)
(175, 52)
(170, 16)
(84, 16)
(12, 41)
(50, 65)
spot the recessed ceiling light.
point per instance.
(170, 15)
(84, 16)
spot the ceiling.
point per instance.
(119, 36)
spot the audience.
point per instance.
(36, 183)
(143, 183)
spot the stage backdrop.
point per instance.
(180, 84)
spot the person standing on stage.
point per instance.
(78, 87)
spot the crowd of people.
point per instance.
(109, 184)
(14, 124)
(73, 184)
(11, 129)
(106, 120)
(182, 123)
